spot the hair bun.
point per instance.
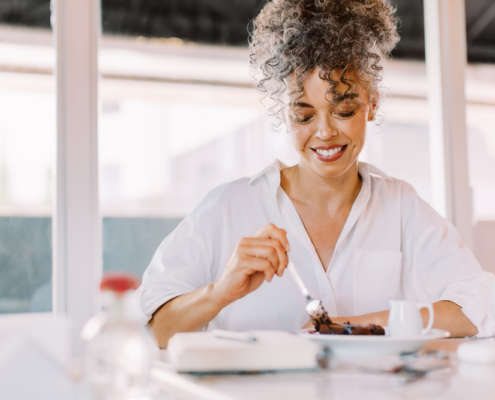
(296, 36)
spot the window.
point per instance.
(178, 116)
(27, 161)
(177, 119)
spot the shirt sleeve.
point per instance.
(182, 262)
(440, 266)
(179, 266)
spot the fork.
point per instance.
(314, 307)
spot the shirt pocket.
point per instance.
(376, 280)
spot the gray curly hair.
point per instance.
(290, 38)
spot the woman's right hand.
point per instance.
(255, 259)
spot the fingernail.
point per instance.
(287, 247)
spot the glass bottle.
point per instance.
(118, 350)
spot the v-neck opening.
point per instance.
(356, 209)
(286, 201)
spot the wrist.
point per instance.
(376, 318)
(217, 296)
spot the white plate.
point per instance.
(348, 346)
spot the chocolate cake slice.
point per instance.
(350, 329)
(325, 326)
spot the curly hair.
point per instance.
(290, 38)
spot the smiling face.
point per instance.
(329, 136)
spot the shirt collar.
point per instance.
(364, 173)
(272, 174)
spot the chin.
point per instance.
(331, 170)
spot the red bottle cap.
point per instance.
(119, 281)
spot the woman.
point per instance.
(357, 237)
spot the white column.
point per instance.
(445, 37)
(77, 225)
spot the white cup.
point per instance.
(405, 319)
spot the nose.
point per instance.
(325, 129)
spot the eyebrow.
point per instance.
(341, 97)
(299, 104)
(338, 99)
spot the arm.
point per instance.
(448, 316)
(254, 260)
(441, 268)
(187, 313)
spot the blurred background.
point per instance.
(179, 115)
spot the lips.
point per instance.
(329, 153)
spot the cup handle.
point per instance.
(429, 306)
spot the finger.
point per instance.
(278, 259)
(283, 260)
(281, 256)
(256, 264)
(272, 232)
(264, 248)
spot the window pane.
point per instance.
(171, 134)
(398, 141)
(480, 90)
(179, 115)
(27, 157)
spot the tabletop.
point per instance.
(343, 380)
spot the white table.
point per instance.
(461, 381)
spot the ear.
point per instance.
(374, 107)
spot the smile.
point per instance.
(329, 155)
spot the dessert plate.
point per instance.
(348, 346)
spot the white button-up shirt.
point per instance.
(393, 246)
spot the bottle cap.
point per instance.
(119, 282)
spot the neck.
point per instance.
(305, 186)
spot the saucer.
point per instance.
(357, 346)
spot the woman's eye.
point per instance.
(347, 114)
(302, 120)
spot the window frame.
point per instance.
(446, 62)
(77, 236)
(77, 232)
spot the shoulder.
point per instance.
(212, 216)
(244, 190)
(239, 190)
(232, 201)
(381, 182)
(384, 186)
(227, 190)
(418, 217)
(414, 210)
(218, 201)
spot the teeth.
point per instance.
(328, 153)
